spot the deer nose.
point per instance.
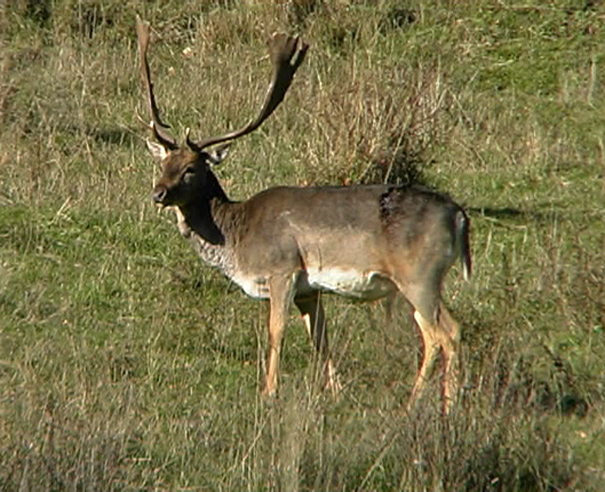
(159, 194)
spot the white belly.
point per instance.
(351, 283)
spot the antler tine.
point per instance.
(287, 53)
(158, 127)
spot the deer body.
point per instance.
(351, 247)
(289, 244)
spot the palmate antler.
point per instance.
(286, 52)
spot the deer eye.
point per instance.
(188, 175)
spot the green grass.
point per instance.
(127, 364)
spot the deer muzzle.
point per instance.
(159, 195)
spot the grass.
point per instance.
(126, 364)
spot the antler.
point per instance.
(159, 129)
(287, 53)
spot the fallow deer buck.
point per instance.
(292, 243)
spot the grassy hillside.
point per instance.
(127, 364)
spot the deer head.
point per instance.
(186, 170)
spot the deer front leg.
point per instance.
(312, 312)
(280, 297)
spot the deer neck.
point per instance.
(200, 219)
(203, 215)
(204, 223)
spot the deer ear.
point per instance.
(157, 150)
(217, 155)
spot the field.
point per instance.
(128, 364)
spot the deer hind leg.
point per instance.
(432, 347)
(451, 349)
(312, 312)
(280, 297)
(441, 335)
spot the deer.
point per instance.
(291, 244)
